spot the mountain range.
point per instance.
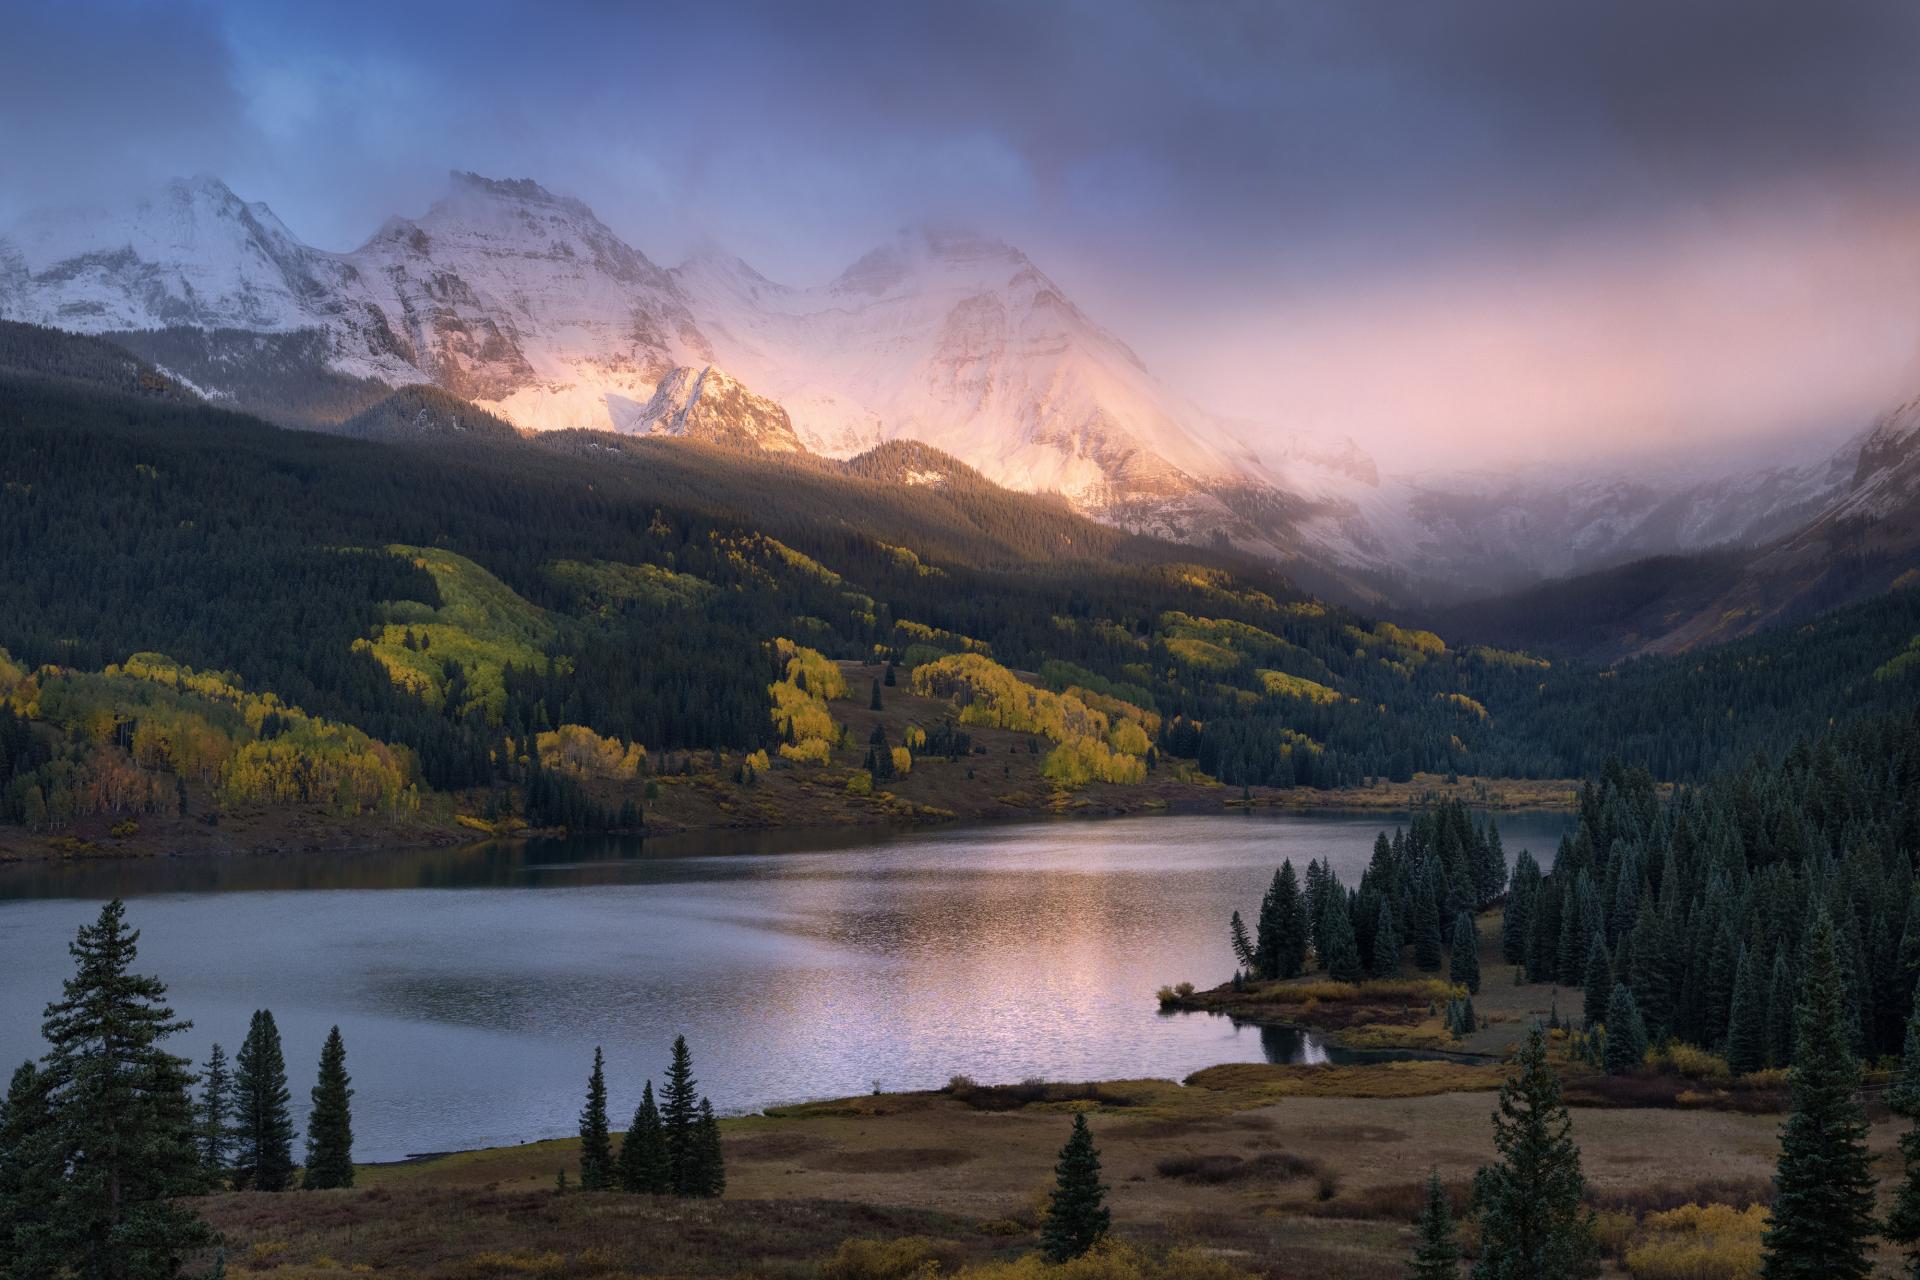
(527, 305)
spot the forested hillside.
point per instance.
(454, 605)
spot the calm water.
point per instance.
(473, 985)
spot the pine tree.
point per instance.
(215, 1119)
(1281, 933)
(1426, 928)
(1531, 1224)
(263, 1126)
(119, 1122)
(1463, 965)
(1243, 949)
(643, 1153)
(708, 1174)
(1903, 1220)
(1077, 1215)
(680, 1120)
(1599, 986)
(1338, 947)
(1516, 923)
(1822, 1221)
(28, 1179)
(1626, 1033)
(1747, 1030)
(1386, 944)
(596, 1144)
(873, 703)
(1780, 1013)
(1436, 1255)
(330, 1123)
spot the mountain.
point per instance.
(527, 304)
(710, 405)
(426, 413)
(1861, 539)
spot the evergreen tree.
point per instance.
(708, 1174)
(1626, 1033)
(263, 1126)
(643, 1153)
(1339, 948)
(1243, 949)
(680, 1121)
(1386, 943)
(596, 1144)
(1281, 933)
(330, 1123)
(1822, 1222)
(1426, 928)
(1780, 1014)
(1747, 1030)
(1436, 1255)
(1463, 965)
(1516, 923)
(215, 1120)
(1903, 1221)
(118, 1118)
(873, 703)
(1077, 1215)
(1599, 984)
(28, 1179)
(1531, 1224)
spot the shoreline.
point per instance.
(304, 831)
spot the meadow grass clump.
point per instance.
(1699, 1242)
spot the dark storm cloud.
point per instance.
(1186, 167)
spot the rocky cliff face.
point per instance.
(710, 406)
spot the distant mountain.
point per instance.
(525, 303)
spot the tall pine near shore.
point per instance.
(29, 1181)
(708, 1176)
(1531, 1224)
(330, 1124)
(1077, 1213)
(1386, 944)
(214, 1124)
(680, 1121)
(1903, 1221)
(263, 1125)
(1436, 1254)
(596, 1143)
(643, 1152)
(1463, 961)
(1822, 1221)
(1281, 932)
(118, 1140)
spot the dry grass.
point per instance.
(1266, 1081)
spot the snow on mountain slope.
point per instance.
(711, 406)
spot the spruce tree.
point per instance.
(215, 1119)
(263, 1126)
(643, 1153)
(1747, 1031)
(708, 1176)
(1281, 932)
(1626, 1033)
(873, 703)
(680, 1121)
(1822, 1221)
(596, 1149)
(1436, 1255)
(1243, 949)
(1077, 1215)
(28, 1179)
(1386, 943)
(1599, 984)
(330, 1123)
(1463, 963)
(119, 1123)
(1903, 1220)
(1531, 1224)
(1426, 927)
(1339, 948)
(1516, 923)
(1780, 1013)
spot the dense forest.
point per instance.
(451, 614)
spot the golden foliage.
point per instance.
(1080, 760)
(1463, 702)
(1699, 1242)
(902, 761)
(578, 751)
(1280, 684)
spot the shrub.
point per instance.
(1689, 1061)
(1699, 1242)
(897, 1259)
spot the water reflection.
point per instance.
(473, 984)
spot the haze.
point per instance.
(1480, 233)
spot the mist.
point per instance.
(1488, 233)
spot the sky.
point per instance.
(1466, 233)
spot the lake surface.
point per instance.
(473, 985)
